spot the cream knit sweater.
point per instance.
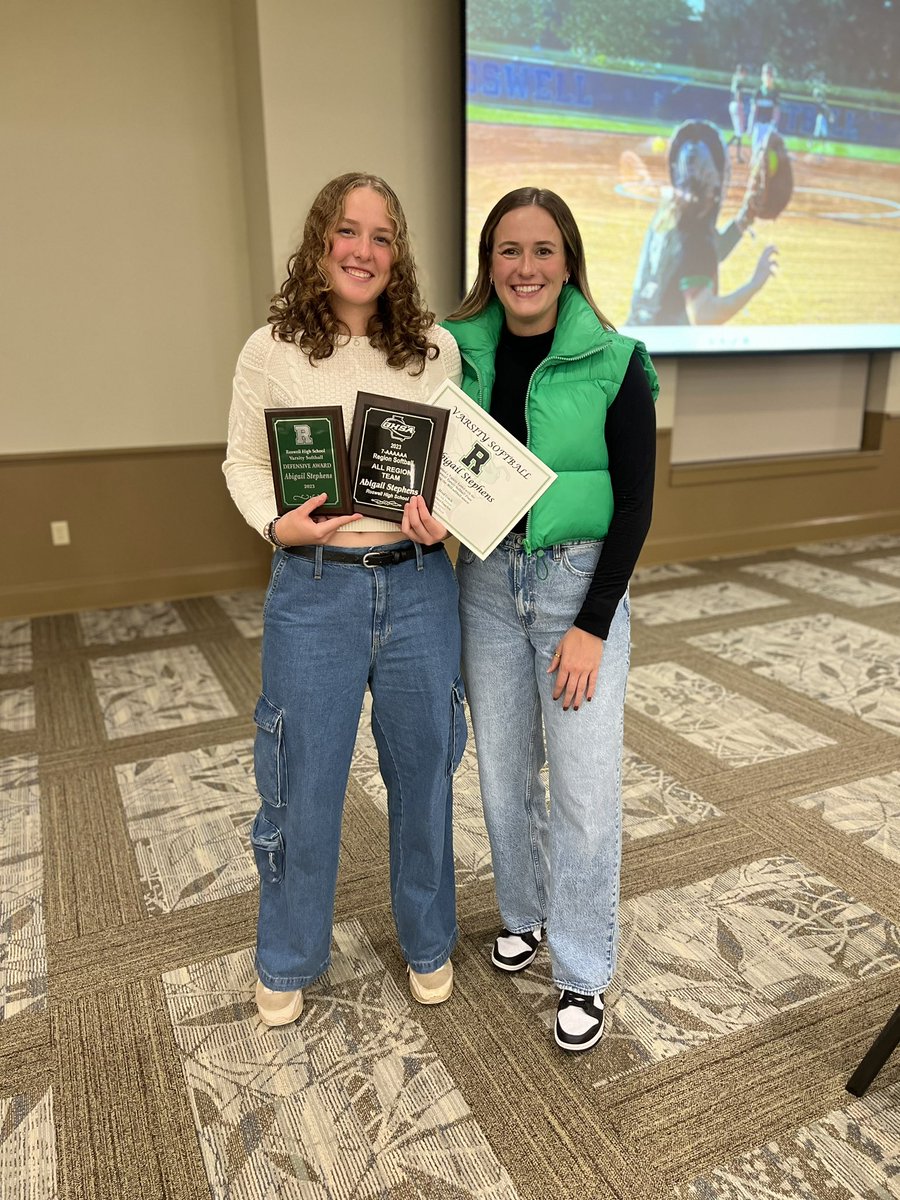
(276, 374)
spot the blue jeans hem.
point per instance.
(290, 983)
(424, 966)
(541, 924)
(584, 989)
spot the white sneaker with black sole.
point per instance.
(516, 951)
(579, 1020)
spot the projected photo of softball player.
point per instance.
(677, 280)
(737, 109)
(766, 110)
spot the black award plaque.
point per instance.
(395, 454)
(308, 451)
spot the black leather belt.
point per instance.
(371, 558)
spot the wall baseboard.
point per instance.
(146, 524)
(41, 600)
(158, 524)
(749, 507)
(764, 537)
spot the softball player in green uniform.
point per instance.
(677, 281)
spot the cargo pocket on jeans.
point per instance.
(458, 728)
(268, 850)
(269, 759)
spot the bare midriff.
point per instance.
(375, 537)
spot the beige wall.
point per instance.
(892, 394)
(377, 89)
(159, 159)
(252, 153)
(124, 249)
(755, 407)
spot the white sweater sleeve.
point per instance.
(450, 357)
(269, 375)
(248, 472)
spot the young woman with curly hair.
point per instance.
(352, 603)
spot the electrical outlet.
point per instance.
(59, 533)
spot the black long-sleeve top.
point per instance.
(631, 443)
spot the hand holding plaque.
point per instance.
(395, 454)
(308, 451)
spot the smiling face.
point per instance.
(360, 259)
(528, 263)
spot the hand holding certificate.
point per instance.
(488, 479)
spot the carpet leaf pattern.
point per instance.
(759, 941)
(352, 1099)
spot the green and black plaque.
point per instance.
(309, 456)
(395, 454)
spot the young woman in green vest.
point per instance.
(545, 617)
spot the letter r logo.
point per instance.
(475, 459)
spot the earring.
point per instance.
(490, 279)
(566, 280)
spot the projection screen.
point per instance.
(658, 121)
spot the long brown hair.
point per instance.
(482, 289)
(301, 310)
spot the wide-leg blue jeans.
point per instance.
(559, 869)
(330, 630)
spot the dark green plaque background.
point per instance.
(309, 456)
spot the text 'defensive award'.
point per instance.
(308, 451)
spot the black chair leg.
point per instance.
(876, 1056)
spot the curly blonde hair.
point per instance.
(301, 311)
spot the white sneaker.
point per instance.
(432, 987)
(516, 951)
(579, 1020)
(277, 1008)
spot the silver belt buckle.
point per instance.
(369, 554)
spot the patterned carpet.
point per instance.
(760, 940)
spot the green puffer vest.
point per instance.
(565, 410)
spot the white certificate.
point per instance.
(488, 479)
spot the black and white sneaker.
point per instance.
(516, 951)
(579, 1020)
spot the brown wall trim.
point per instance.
(688, 475)
(765, 537)
(144, 525)
(864, 459)
(137, 589)
(151, 525)
(734, 508)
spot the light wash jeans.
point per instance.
(330, 630)
(559, 869)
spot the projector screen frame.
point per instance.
(666, 341)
